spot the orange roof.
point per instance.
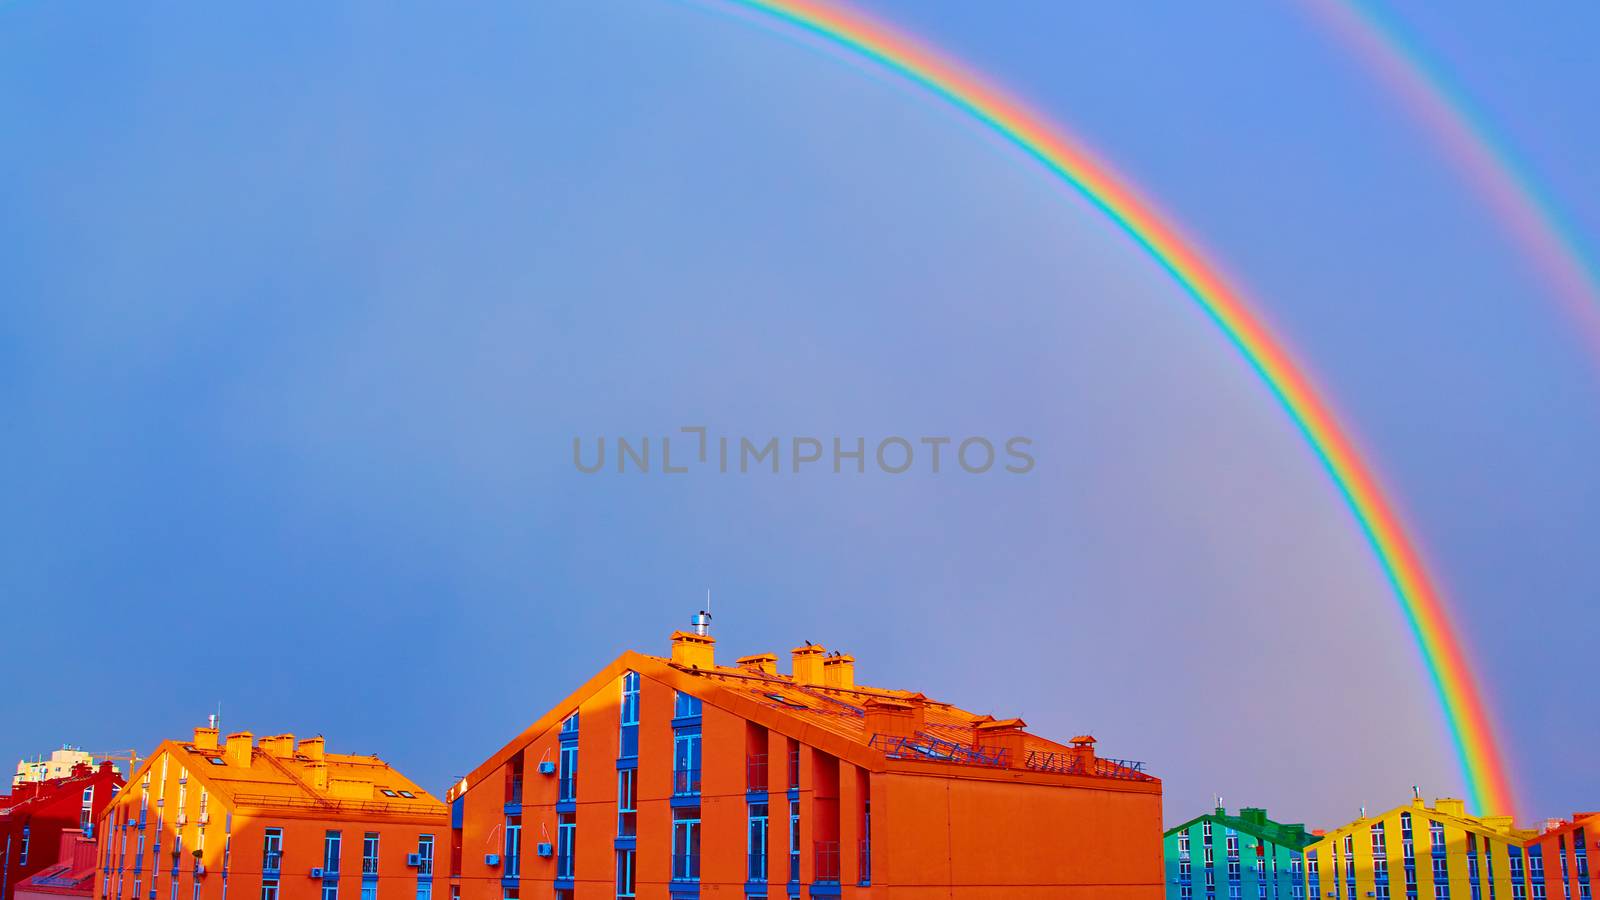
(831, 718)
(328, 785)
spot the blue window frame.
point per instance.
(756, 843)
(686, 706)
(794, 840)
(331, 844)
(627, 874)
(627, 802)
(566, 844)
(569, 771)
(629, 743)
(513, 847)
(686, 760)
(686, 844)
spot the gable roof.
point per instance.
(832, 719)
(336, 785)
(1258, 826)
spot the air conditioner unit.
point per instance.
(316, 871)
(413, 859)
(546, 849)
(547, 767)
(199, 868)
(491, 859)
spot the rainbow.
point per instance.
(1487, 162)
(1452, 678)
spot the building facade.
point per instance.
(1245, 856)
(1561, 853)
(59, 764)
(207, 820)
(678, 778)
(35, 813)
(1421, 851)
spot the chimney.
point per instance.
(1450, 806)
(839, 671)
(1083, 752)
(760, 663)
(807, 662)
(237, 750)
(319, 772)
(893, 718)
(1005, 735)
(696, 651)
(205, 738)
(278, 746)
(314, 748)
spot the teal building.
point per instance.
(1242, 857)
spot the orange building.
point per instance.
(681, 778)
(274, 821)
(1559, 857)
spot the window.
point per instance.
(686, 760)
(330, 854)
(566, 844)
(408, 795)
(22, 854)
(425, 854)
(569, 771)
(794, 840)
(569, 725)
(756, 843)
(627, 802)
(627, 877)
(330, 890)
(86, 814)
(369, 853)
(685, 706)
(424, 890)
(387, 792)
(686, 844)
(369, 890)
(513, 848)
(269, 889)
(272, 853)
(630, 716)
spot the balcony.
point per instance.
(755, 773)
(756, 868)
(569, 787)
(827, 862)
(686, 782)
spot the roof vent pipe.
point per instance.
(702, 623)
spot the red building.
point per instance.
(36, 813)
(72, 875)
(1561, 854)
(679, 778)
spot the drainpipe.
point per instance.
(5, 867)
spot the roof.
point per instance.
(326, 785)
(834, 719)
(1587, 820)
(1498, 827)
(1253, 821)
(30, 795)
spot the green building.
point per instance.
(1242, 857)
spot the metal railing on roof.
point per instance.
(926, 746)
(341, 805)
(1071, 763)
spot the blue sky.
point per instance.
(305, 308)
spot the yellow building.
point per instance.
(1418, 852)
(59, 765)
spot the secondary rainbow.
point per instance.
(1452, 677)
(1468, 139)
